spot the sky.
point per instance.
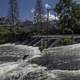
(25, 7)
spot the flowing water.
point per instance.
(59, 63)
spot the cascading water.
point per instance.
(15, 52)
(21, 70)
(63, 58)
(47, 65)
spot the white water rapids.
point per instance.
(32, 67)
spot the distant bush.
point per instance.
(66, 41)
(8, 34)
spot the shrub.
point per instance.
(66, 41)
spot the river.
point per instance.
(59, 63)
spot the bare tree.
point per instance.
(13, 12)
(39, 12)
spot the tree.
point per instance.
(13, 12)
(76, 15)
(66, 10)
(39, 12)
